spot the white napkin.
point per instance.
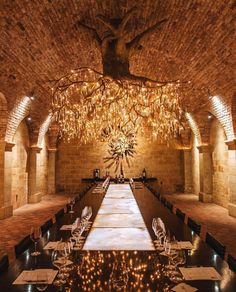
(51, 245)
(183, 287)
(55, 245)
(182, 245)
(185, 244)
(35, 277)
(200, 273)
(66, 227)
(163, 253)
(61, 261)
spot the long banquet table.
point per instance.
(92, 270)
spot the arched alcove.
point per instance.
(220, 194)
(19, 166)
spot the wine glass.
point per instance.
(172, 254)
(179, 259)
(67, 249)
(35, 235)
(42, 281)
(159, 234)
(71, 202)
(58, 261)
(77, 234)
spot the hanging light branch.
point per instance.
(85, 101)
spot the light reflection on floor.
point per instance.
(119, 224)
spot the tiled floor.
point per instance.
(213, 218)
(119, 224)
(18, 226)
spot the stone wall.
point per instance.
(220, 164)
(19, 166)
(195, 166)
(42, 168)
(74, 162)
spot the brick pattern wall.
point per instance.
(222, 112)
(43, 129)
(18, 113)
(3, 116)
(194, 127)
(74, 162)
(233, 109)
(220, 165)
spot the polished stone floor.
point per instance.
(119, 224)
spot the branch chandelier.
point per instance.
(84, 107)
(93, 106)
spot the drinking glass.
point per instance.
(42, 281)
(160, 234)
(35, 235)
(77, 232)
(59, 260)
(67, 249)
(71, 202)
(170, 252)
(180, 259)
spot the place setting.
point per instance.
(176, 252)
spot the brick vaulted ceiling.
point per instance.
(40, 40)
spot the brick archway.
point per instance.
(222, 111)
(3, 116)
(233, 109)
(194, 127)
(16, 116)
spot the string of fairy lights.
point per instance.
(103, 271)
(85, 103)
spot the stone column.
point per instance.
(34, 195)
(232, 177)
(187, 170)
(52, 171)
(205, 157)
(6, 209)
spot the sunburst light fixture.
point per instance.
(121, 149)
(87, 102)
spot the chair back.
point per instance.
(163, 200)
(22, 246)
(158, 195)
(215, 244)
(232, 262)
(194, 226)
(48, 224)
(4, 263)
(180, 214)
(169, 205)
(84, 212)
(59, 214)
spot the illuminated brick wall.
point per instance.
(194, 127)
(18, 113)
(222, 112)
(3, 116)
(74, 163)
